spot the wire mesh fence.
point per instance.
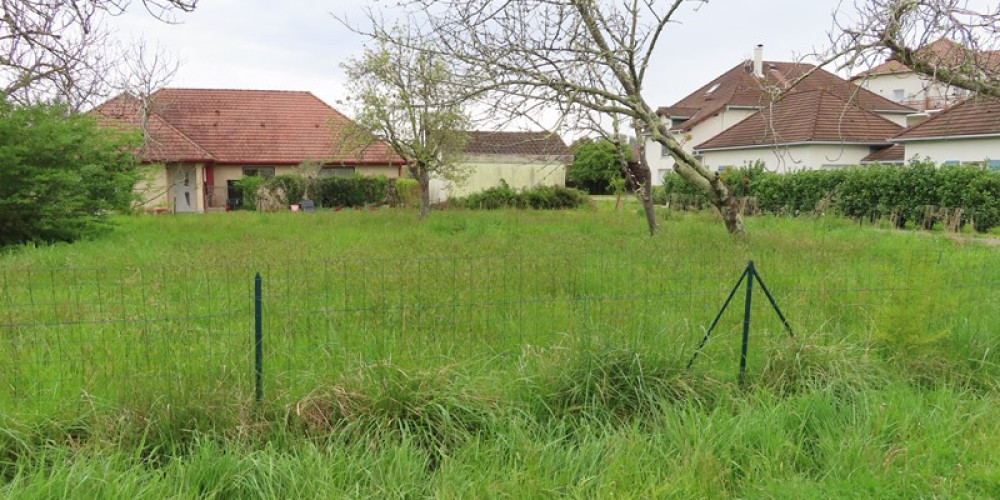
(183, 331)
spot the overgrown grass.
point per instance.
(500, 354)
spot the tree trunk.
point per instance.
(730, 212)
(709, 183)
(646, 190)
(424, 179)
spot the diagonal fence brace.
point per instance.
(750, 274)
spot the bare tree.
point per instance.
(56, 48)
(140, 71)
(586, 54)
(406, 97)
(909, 32)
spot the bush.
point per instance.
(406, 193)
(248, 189)
(61, 174)
(596, 165)
(352, 191)
(286, 189)
(539, 198)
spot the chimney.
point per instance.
(758, 61)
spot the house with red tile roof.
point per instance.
(897, 82)
(523, 160)
(200, 141)
(804, 129)
(756, 85)
(968, 132)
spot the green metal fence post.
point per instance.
(258, 367)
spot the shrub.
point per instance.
(406, 193)
(249, 189)
(61, 174)
(539, 198)
(286, 189)
(596, 166)
(352, 191)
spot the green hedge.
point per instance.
(352, 191)
(539, 198)
(919, 192)
(289, 189)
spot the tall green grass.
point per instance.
(499, 354)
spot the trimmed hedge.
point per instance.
(352, 191)
(919, 192)
(539, 198)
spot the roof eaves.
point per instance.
(794, 143)
(945, 137)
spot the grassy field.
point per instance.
(509, 354)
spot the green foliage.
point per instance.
(917, 192)
(596, 166)
(286, 189)
(406, 98)
(618, 384)
(60, 174)
(539, 198)
(354, 191)
(249, 188)
(407, 192)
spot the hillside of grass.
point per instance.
(497, 354)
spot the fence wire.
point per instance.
(177, 332)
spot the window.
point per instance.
(664, 151)
(336, 172)
(258, 171)
(898, 95)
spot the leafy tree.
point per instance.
(61, 174)
(596, 166)
(406, 97)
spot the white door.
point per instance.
(184, 190)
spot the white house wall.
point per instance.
(660, 163)
(789, 158)
(519, 172)
(917, 90)
(960, 150)
(153, 189)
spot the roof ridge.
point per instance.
(211, 89)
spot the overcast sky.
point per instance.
(298, 45)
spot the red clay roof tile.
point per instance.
(516, 143)
(251, 127)
(972, 117)
(738, 87)
(891, 154)
(806, 116)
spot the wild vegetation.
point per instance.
(523, 353)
